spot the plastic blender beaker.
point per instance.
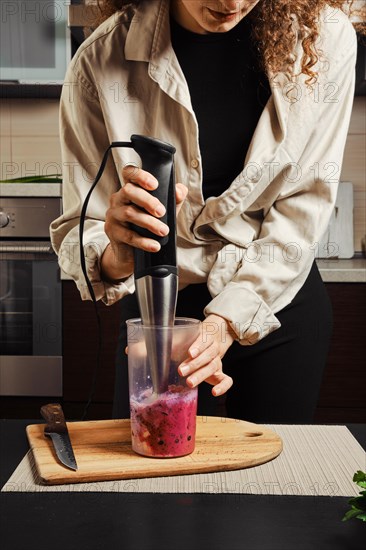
(162, 424)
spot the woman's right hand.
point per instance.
(133, 204)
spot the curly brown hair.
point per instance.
(273, 29)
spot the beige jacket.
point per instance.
(255, 244)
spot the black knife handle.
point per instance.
(54, 416)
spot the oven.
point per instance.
(30, 298)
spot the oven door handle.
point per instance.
(24, 248)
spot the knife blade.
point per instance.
(56, 429)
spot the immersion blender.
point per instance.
(156, 274)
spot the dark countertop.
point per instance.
(128, 521)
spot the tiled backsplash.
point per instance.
(30, 145)
(30, 142)
(354, 167)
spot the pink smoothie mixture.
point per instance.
(164, 425)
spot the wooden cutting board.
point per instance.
(103, 451)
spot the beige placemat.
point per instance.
(316, 460)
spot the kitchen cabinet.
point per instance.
(341, 399)
(80, 349)
(342, 395)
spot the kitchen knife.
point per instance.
(57, 430)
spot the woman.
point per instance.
(256, 96)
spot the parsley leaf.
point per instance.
(358, 504)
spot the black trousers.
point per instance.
(275, 380)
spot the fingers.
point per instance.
(132, 214)
(203, 373)
(131, 193)
(124, 210)
(206, 367)
(134, 174)
(134, 204)
(202, 358)
(122, 236)
(225, 383)
(212, 374)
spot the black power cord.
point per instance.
(84, 269)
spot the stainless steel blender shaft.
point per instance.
(157, 297)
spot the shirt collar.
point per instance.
(148, 39)
(148, 34)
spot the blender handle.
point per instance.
(158, 158)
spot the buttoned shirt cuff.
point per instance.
(107, 292)
(248, 315)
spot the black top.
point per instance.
(228, 93)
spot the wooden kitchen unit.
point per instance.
(342, 395)
(80, 349)
(341, 399)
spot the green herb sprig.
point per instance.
(358, 504)
(51, 178)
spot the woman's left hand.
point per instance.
(205, 354)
